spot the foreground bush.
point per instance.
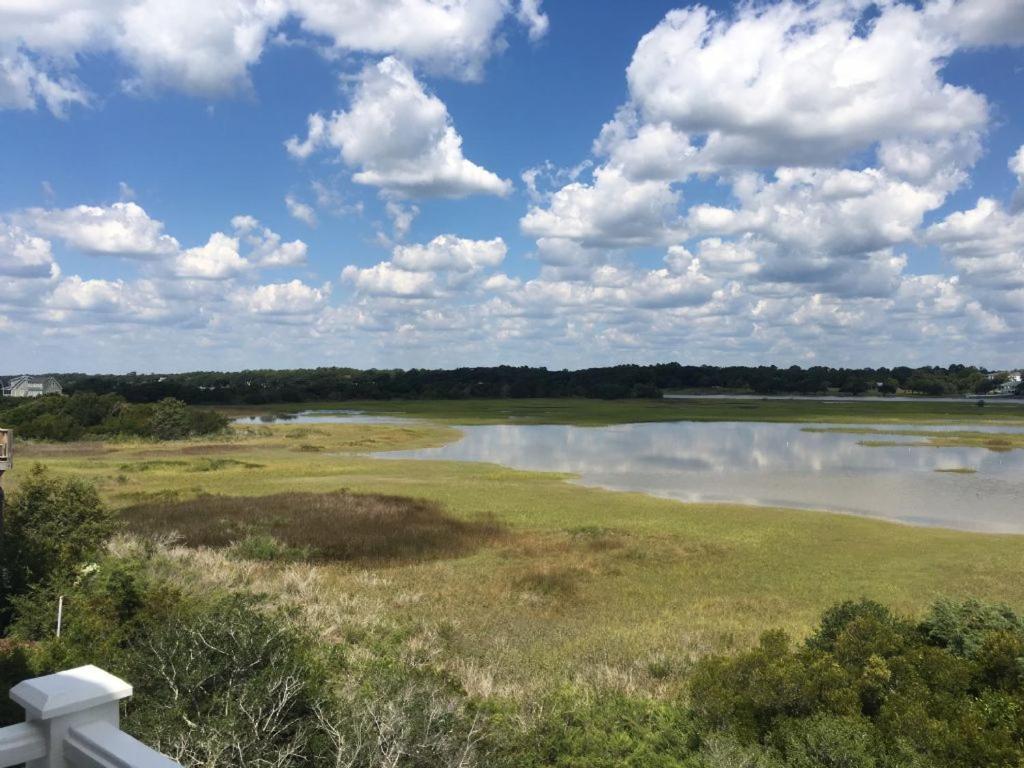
(51, 526)
(870, 688)
(217, 681)
(221, 680)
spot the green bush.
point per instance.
(52, 525)
(720, 750)
(14, 667)
(218, 681)
(612, 731)
(964, 627)
(169, 420)
(63, 418)
(870, 688)
(221, 680)
(824, 741)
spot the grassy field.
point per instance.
(587, 412)
(581, 586)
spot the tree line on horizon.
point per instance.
(257, 387)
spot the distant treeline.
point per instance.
(623, 381)
(84, 414)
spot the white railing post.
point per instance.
(72, 721)
(76, 697)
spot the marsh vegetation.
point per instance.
(331, 527)
(582, 586)
(228, 678)
(371, 612)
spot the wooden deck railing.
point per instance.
(72, 721)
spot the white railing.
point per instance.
(71, 721)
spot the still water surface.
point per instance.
(762, 464)
(765, 464)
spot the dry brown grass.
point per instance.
(338, 526)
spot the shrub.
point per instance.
(724, 751)
(870, 688)
(52, 525)
(963, 627)
(611, 731)
(14, 667)
(395, 712)
(170, 420)
(219, 682)
(827, 742)
(62, 418)
(750, 692)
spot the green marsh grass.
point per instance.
(587, 586)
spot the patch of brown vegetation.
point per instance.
(338, 526)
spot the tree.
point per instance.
(170, 420)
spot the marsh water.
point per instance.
(763, 464)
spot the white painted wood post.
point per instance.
(72, 720)
(76, 697)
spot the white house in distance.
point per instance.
(32, 386)
(1010, 384)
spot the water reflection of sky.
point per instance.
(319, 417)
(759, 463)
(766, 464)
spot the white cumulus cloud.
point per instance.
(385, 279)
(208, 48)
(400, 138)
(121, 229)
(792, 83)
(611, 211)
(217, 260)
(267, 248)
(25, 255)
(281, 299)
(448, 252)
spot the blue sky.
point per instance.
(404, 183)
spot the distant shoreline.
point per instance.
(1010, 399)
